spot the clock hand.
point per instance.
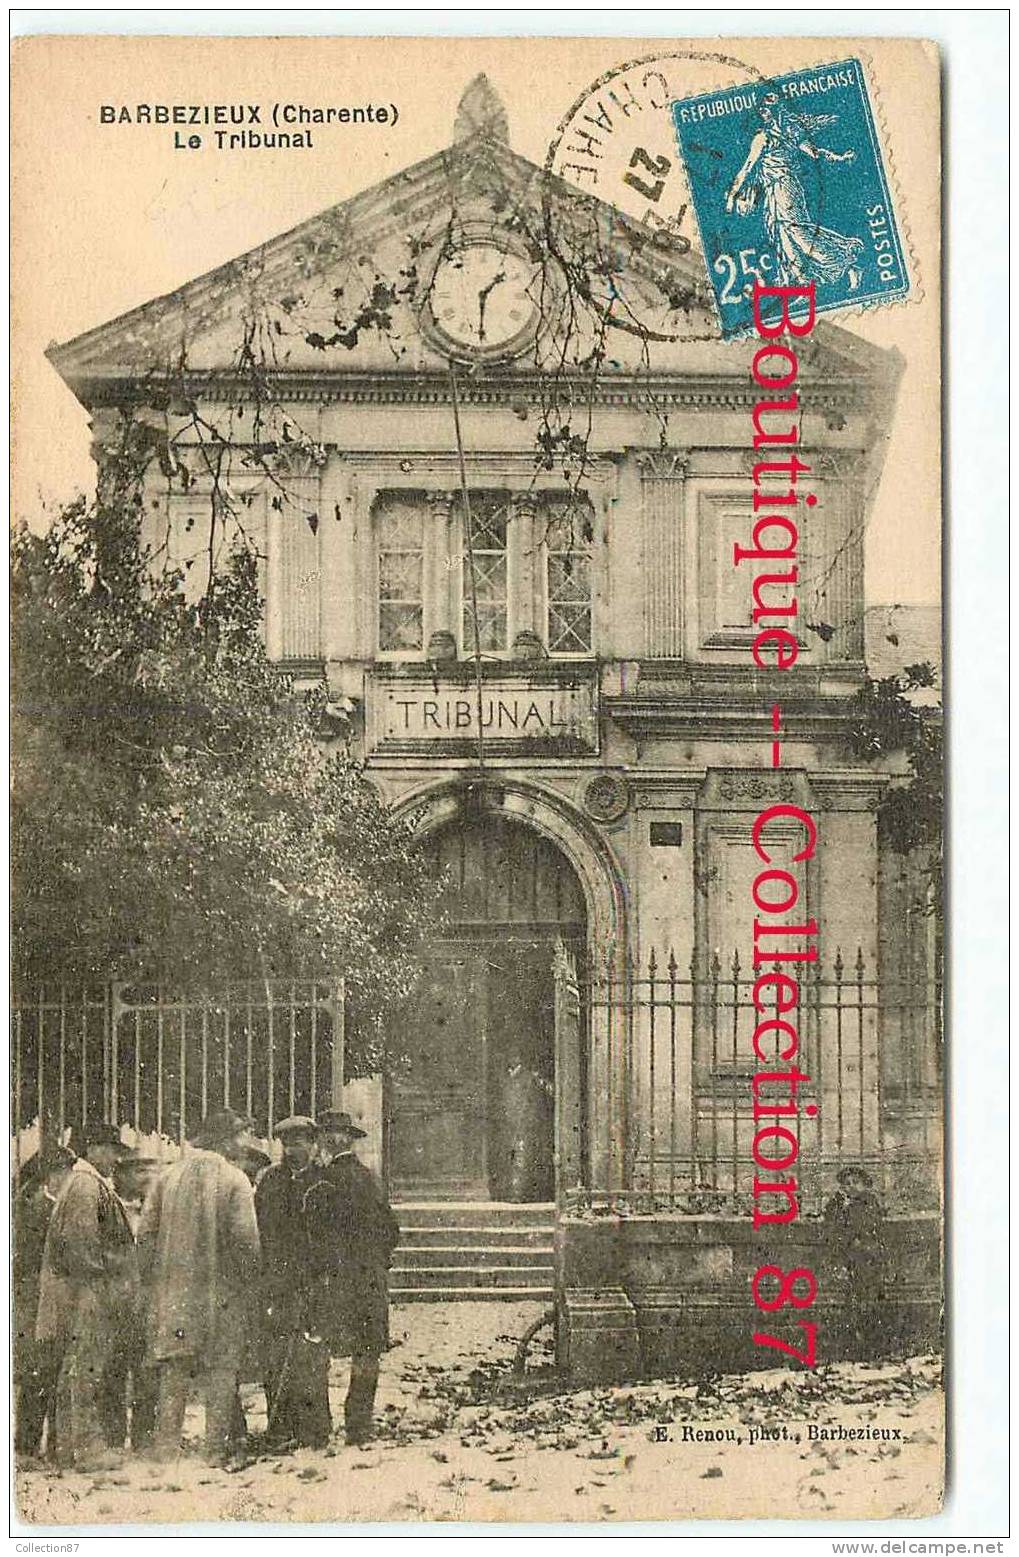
(483, 296)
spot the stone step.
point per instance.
(472, 1256)
(507, 1236)
(471, 1276)
(473, 1213)
(471, 1295)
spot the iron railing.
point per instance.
(668, 1116)
(157, 1062)
(654, 1068)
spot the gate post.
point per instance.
(567, 1075)
(339, 1053)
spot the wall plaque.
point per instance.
(545, 714)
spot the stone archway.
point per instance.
(435, 805)
(471, 1110)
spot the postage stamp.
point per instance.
(789, 186)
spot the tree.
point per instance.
(181, 813)
(896, 716)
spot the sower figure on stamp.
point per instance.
(88, 1295)
(355, 1292)
(36, 1363)
(804, 250)
(199, 1254)
(294, 1238)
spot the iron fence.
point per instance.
(157, 1062)
(654, 1075)
(669, 1114)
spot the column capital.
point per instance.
(663, 464)
(441, 503)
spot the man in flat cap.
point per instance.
(88, 1293)
(200, 1261)
(295, 1235)
(355, 1291)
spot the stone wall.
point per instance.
(642, 1296)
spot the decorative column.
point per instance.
(663, 844)
(835, 550)
(442, 563)
(298, 524)
(525, 553)
(846, 1056)
(663, 477)
(338, 580)
(273, 586)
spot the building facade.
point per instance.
(546, 664)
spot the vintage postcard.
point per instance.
(477, 1026)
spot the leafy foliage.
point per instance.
(889, 720)
(177, 815)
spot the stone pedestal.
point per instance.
(596, 1336)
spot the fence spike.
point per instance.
(735, 964)
(652, 964)
(839, 964)
(860, 964)
(673, 966)
(716, 964)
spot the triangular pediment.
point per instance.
(346, 293)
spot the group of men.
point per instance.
(231, 1268)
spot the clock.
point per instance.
(483, 299)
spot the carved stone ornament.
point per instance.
(481, 113)
(663, 464)
(749, 788)
(606, 798)
(755, 786)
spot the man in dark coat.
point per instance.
(132, 1379)
(355, 1291)
(855, 1217)
(88, 1294)
(36, 1363)
(295, 1235)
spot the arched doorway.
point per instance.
(472, 1105)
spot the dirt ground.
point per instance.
(456, 1441)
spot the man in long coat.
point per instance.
(132, 1379)
(355, 1288)
(88, 1294)
(296, 1237)
(199, 1254)
(36, 1363)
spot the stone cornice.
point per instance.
(413, 465)
(825, 718)
(322, 387)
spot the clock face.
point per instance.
(483, 298)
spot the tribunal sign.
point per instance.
(545, 713)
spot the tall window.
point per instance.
(568, 583)
(527, 571)
(401, 557)
(490, 514)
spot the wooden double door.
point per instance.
(473, 1101)
(472, 1097)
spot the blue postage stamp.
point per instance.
(788, 186)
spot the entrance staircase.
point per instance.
(473, 1251)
